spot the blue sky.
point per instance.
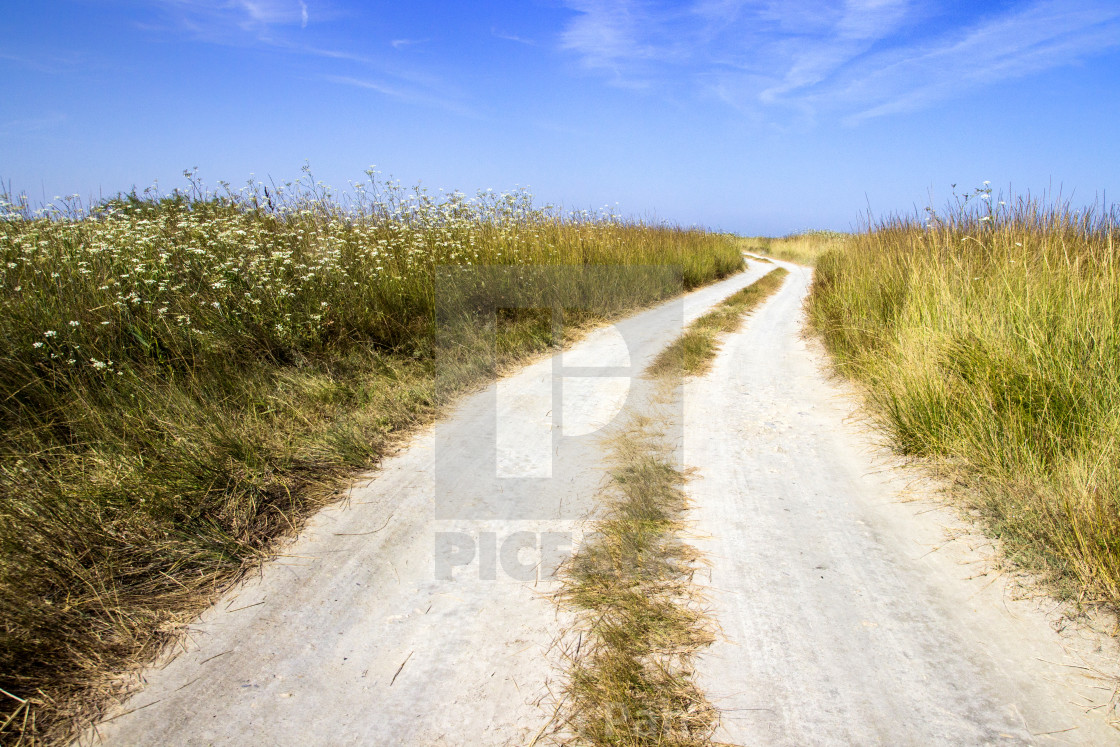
(756, 116)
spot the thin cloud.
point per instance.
(43, 62)
(32, 125)
(229, 20)
(242, 23)
(1045, 36)
(270, 23)
(402, 93)
(855, 59)
(403, 43)
(617, 35)
(512, 37)
(855, 31)
(370, 85)
(632, 41)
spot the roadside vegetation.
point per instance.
(803, 248)
(988, 341)
(186, 377)
(692, 353)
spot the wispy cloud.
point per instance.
(404, 43)
(854, 59)
(55, 63)
(279, 25)
(625, 38)
(1041, 37)
(512, 37)
(852, 32)
(403, 93)
(32, 125)
(244, 14)
(369, 85)
(254, 23)
(224, 19)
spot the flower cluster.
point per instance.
(274, 270)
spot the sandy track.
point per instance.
(847, 617)
(843, 621)
(356, 636)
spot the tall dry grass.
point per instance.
(186, 377)
(988, 338)
(804, 248)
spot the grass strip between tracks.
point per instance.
(630, 677)
(692, 352)
(629, 656)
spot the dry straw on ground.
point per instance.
(629, 672)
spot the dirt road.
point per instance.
(848, 617)
(417, 614)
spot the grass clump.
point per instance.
(692, 353)
(630, 672)
(186, 377)
(803, 248)
(988, 339)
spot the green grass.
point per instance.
(692, 353)
(988, 341)
(188, 377)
